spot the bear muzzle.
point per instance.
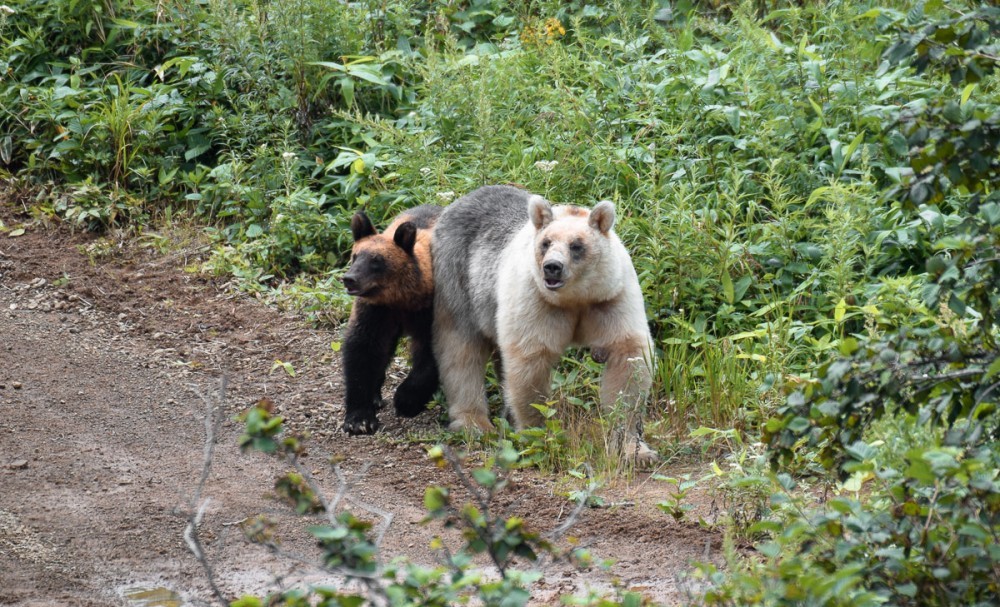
(552, 275)
(352, 285)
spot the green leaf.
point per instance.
(956, 305)
(197, 150)
(741, 287)
(358, 166)
(727, 287)
(816, 108)
(485, 477)
(769, 549)
(991, 213)
(347, 90)
(435, 499)
(798, 425)
(840, 310)
(125, 23)
(851, 148)
(993, 369)
(920, 470)
(326, 532)
(286, 366)
(861, 450)
(967, 92)
(848, 346)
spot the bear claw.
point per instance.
(365, 425)
(641, 454)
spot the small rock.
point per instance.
(16, 385)
(18, 464)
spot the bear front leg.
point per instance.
(526, 381)
(371, 338)
(418, 388)
(624, 389)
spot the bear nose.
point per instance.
(552, 269)
(350, 283)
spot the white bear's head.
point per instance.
(575, 250)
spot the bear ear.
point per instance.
(602, 217)
(406, 236)
(540, 211)
(361, 226)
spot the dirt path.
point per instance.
(103, 373)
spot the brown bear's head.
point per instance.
(392, 268)
(573, 246)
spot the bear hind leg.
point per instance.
(418, 388)
(461, 363)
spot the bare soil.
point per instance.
(108, 354)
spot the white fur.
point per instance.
(600, 307)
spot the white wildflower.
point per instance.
(546, 166)
(288, 155)
(425, 171)
(6, 9)
(446, 196)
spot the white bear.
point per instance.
(515, 273)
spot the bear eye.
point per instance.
(576, 248)
(377, 263)
(546, 243)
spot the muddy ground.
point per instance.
(109, 354)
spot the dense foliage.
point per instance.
(809, 190)
(929, 535)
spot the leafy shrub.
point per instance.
(349, 549)
(926, 533)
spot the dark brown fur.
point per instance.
(392, 278)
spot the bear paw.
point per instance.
(473, 422)
(408, 406)
(360, 423)
(641, 454)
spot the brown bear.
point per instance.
(392, 280)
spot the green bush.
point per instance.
(926, 532)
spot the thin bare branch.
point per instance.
(196, 511)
